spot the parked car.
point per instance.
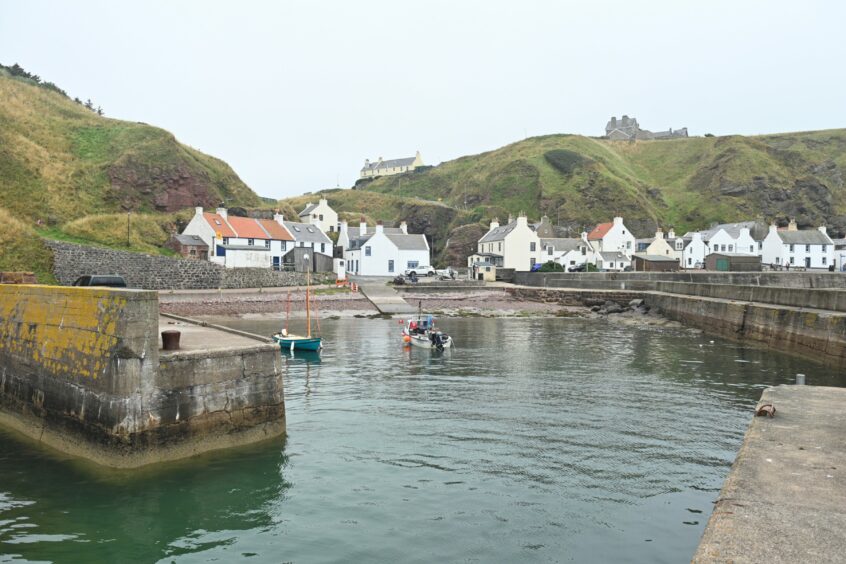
(578, 268)
(448, 272)
(420, 271)
(110, 281)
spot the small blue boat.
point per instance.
(298, 343)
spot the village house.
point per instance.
(734, 238)
(612, 237)
(695, 250)
(792, 247)
(381, 167)
(568, 252)
(516, 244)
(320, 215)
(613, 261)
(381, 253)
(237, 242)
(189, 246)
(308, 236)
(671, 246)
(346, 233)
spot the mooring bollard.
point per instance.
(800, 379)
(170, 340)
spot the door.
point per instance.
(807, 262)
(277, 263)
(390, 266)
(723, 264)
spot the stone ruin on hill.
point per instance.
(627, 128)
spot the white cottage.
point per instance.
(791, 247)
(380, 253)
(237, 242)
(732, 238)
(568, 252)
(320, 215)
(612, 261)
(516, 243)
(347, 234)
(612, 237)
(695, 250)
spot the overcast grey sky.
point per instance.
(295, 95)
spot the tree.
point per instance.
(99, 111)
(77, 100)
(89, 104)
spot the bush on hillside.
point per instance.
(564, 161)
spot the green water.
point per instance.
(536, 440)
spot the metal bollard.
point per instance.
(800, 379)
(170, 340)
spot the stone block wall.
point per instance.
(70, 261)
(81, 371)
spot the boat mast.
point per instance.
(308, 297)
(288, 311)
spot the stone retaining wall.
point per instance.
(70, 261)
(816, 279)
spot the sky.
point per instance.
(294, 95)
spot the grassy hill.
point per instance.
(60, 161)
(688, 183)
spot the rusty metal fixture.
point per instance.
(766, 409)
(170, 340)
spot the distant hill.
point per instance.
(687, 183)
(60, 161)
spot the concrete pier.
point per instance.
(785, 498)
(82, 370)
(384, 297)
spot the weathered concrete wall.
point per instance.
(80, 370)
(70, 261)
(784, 500)
(600, 279)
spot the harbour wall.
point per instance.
(70, 261)
(81, 371)
(779, 279)
(774, 318)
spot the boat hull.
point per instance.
(424, 342)
(292, 342)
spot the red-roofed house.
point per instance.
(612, 237)
(241, 241)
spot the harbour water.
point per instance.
(534, 440)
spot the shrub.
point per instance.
(551, 266)
(565, 161)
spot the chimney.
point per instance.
(744, 230)
(822, 230)
(366, 162)
(494, 224)
(198, 210)
(659, 233)
(343, 226)
(510, 217)
(584, 236)
(404, 227)
(773, 228)
(379, 227)
(279, 218)
(522, 219)
(671, 234)
(618, 221)
(221, 212)
(323, 202)
(792, 225)
(362, 227)
(697, 236)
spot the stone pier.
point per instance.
(81, 370)
(785, 498)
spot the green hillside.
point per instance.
(687, 183)
(60, 161)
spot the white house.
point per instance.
(346, 234)
(612, 237)
(321, 215)
(807, 248)
(390, 167)
(612, 261)
(380, 253)
(695, 250)
(310, 236)
(568, 252)
(241, 241)
(516, 243)
(732, 238)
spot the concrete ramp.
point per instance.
(384, 297)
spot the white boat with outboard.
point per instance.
(420, 331)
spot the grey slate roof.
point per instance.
(307, 209)
(389, 163)
(306, 232)
(405, 242)
(562, 244)
(353, 232)
(190, 240)
(499, 233)
(757, 230)
(614, 255)
(804, 237)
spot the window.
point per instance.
(584, 251)
(322, 247)
(413, 263)
(267, 243)
(549, 251)
(193, 252)
(824, 248)
(321, 217)
(760, 245)
(331, 228)
(251, 242)
(731, 248)
(791, 260)
(226, 240)
(367, 251)
(390, 266)
(751, 248)
(724, 247)
(500, 247)
(807, 248)
(628, 244)
(823, 259)
(689, 261)
(532, 246)
(791, 248)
